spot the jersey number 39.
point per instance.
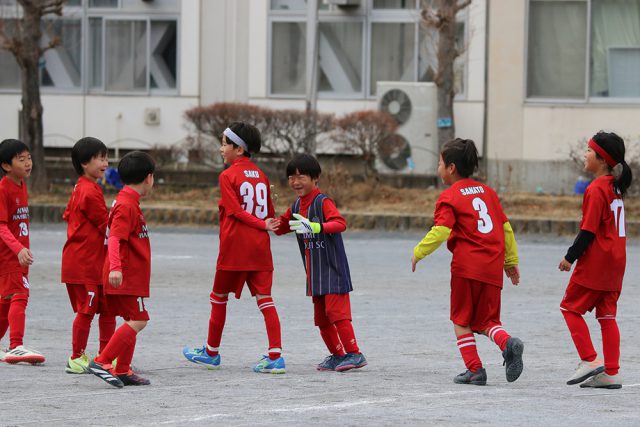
(254, 198)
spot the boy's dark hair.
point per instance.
(305, 164)
(249, 134)
(614, 146)
(463, 154)
(10, 148)
(84, 150)
(135, 167)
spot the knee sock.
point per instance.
(80, 334)
(216, 323)
(580, 335)
(499, 336)
(107, 325)
(272, 323)
(122, 339)
(331, 339)
(469, 352)
(125, 357)
(347, 336)
(610, 345)
(17, 319)
(4, 316)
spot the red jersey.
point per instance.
(245, 202)
(14, 214)
(601, 266)
(127, 223)
(473, 213)
(83, 253)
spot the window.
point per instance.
(61, 66)
(393, 55)
(340, 57)
(562, 41)
(288, 58)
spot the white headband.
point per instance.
(235, 138)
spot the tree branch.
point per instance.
(459, 6)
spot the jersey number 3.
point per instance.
(485, 225)
(254, 197)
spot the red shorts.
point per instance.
(86, 299)
(475, 304)
(331, 308)
(579, 299)
(227, 281)
(13, 283)
(129, 307)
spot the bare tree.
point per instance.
(24, 40)
(440, 15)
(365, 132)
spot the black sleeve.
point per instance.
(583, 240)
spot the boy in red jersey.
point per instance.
(325, 262)
(245, 248)
(127, 271)
(15, 256)
(83, 254)
(600, 249)
(470, 218)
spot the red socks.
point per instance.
(121, 343)
(347, 336)
(580, 335)
(331, 339)
(126, 356)
(272, 322)
(216, 323)
(469, 352)
(499, 336)
(16, 317)
(610, 345)
(4, 316)
(80, 334)
(107, 325)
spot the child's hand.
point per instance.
(302, 225)
(414, 261)
(564, 265)
(115, 278)
(272, 224)
(25, 257)
(513, 273)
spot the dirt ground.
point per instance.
(365, 197)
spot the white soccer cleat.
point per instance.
(602, 380)
(585, 370)
(23, 354)
(3, 353)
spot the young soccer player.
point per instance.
(83, 254)
(469, 217)
(318, 226)
(245, 247)
(15, 256)
(127, 270)
(600, 249)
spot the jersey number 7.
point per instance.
(254, 197)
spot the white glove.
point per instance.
(302, 225)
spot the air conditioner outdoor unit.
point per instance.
(414, 147)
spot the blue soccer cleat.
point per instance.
(268, 366)
(351, 361)
(201, 357)
(330, 363)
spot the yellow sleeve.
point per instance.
(510, 246)
(431, 242)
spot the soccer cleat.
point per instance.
(603, 380)
(268, 366)
(3, 352)
(330, 363)
(201, 357)
(475, 378)
(79, 365)
(512, 355)
(23, 354)
(131, 378)
(351, 361)
(585, 370)
(102, 372)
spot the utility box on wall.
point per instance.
(413, 150)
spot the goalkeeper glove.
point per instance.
(302, 225)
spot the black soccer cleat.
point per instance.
(478, 377)
(101, 372)
(131, 378)
(512, 355)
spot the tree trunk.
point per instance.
(445, 75)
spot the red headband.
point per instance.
(606, 156)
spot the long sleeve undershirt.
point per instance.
(580, 244)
